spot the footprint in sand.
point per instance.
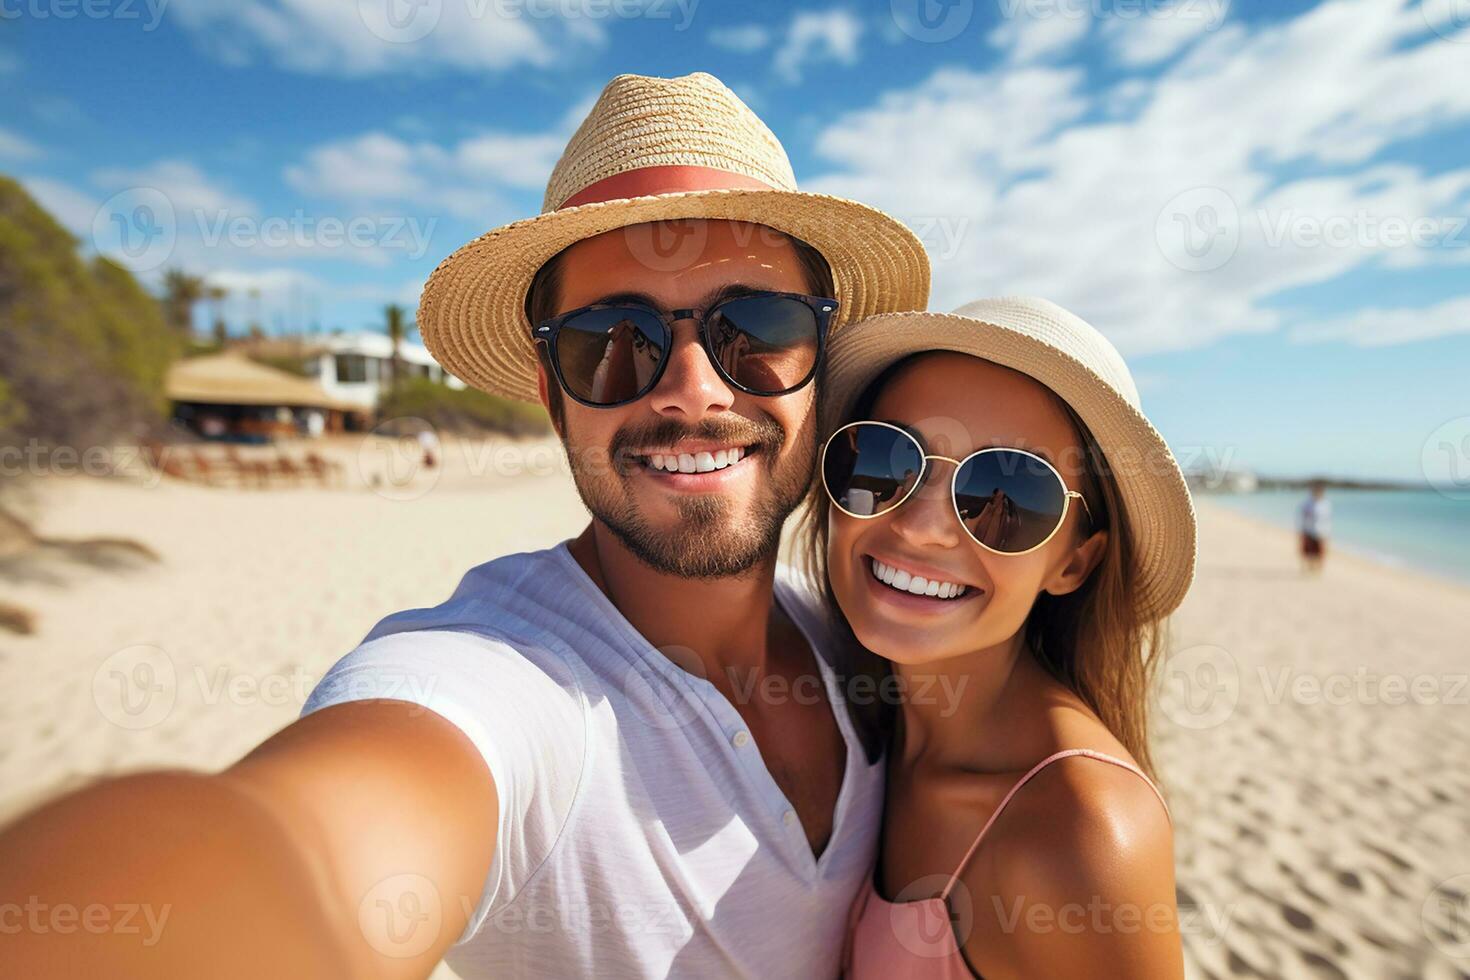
(1298, 919)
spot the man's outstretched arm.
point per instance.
(353, 843)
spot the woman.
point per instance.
(1005, 528)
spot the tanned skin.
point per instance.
(285, 864)
(1076, 878)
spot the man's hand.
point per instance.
(353, 843)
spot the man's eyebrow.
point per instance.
(626, 296)
(731, 290)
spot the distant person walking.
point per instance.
(1315, 520)
(428, 441)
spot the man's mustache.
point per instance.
(761, 434)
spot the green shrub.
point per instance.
(462, 409)
(84, 350)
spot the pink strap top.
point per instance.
(914, 940)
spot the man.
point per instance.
(626, 755)
(1314, 519)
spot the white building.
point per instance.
(354, 367)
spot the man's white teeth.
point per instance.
(915, 584)
(705, 462)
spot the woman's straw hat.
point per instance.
(654, 149)
(1069, 356)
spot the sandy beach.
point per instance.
(1314, 734)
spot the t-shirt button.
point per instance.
(741, 739)
(789, 817)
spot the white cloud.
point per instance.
(469, 179)
(56, 111)
(271, 284)
(828, 36)
(1379, 327)
(1027, 37)
(363, 37)
(210, 227)
(1156, 33)
(286, 298)
(1013, 192)
(188, 189)
(404, 293)
(72, 208)
(1151, 38)
(743, 39)
(13, 146)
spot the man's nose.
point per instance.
(690, 388)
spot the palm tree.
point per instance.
(255, 330)
(396, 316)
(180, 292)
(216, 296)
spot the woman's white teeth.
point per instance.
(915, 584)
(705, 462)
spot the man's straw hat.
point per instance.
(654, 149)
(1074, 360)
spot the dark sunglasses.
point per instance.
(1009, 500)
(762, 343)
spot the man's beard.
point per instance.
(709, 540)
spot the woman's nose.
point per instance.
(927, 518)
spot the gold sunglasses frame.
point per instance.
(954, 500)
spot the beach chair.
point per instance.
(204, 471)
(287, 469)
(248, 472)
(152, 452)
(328, 474)
(163, 459)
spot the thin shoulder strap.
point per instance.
(1065, 754)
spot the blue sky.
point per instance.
(1262, 203)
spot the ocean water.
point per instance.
(1422, 529)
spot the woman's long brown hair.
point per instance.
(1095, 640)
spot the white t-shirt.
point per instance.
(641, 834)
(1316, 517)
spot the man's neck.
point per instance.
(717, 628)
